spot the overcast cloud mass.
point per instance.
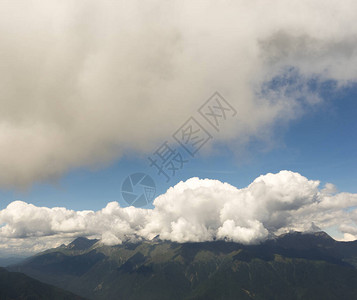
(195, 210)
(84, 82)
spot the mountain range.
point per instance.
(292, 266)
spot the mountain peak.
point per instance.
(304, 240)
(322, 234)
(319, 234)
(156, 239)
(81, 243)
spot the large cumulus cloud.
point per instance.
(85, 82)
(195, 210)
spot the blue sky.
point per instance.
(320, 145)
(90, 90)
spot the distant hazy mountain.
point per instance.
(17, 286)
(293, 266)
(6, 261)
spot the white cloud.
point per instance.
(83, 83)
(195, 210)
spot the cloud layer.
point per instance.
(195, 210)
(82, 83)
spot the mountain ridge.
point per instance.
(301, 264)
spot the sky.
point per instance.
(256, 101)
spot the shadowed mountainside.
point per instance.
(17, 286)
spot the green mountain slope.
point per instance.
(292, 266)
(17, 286)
